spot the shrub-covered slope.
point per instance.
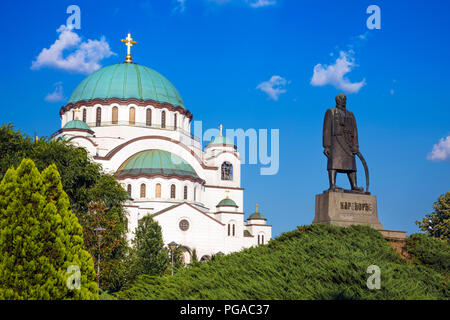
(429, 251)
(313, 262)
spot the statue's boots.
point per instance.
(359, 189)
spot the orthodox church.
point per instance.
(133, 122)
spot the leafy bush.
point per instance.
(429, 251)
(312, 262)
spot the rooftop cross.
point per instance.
(129, 43)
(221, 127)
(256, 208)
(227, 193)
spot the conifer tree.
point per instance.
(42, 253)
(150, 257)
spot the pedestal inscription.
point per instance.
(347, 208)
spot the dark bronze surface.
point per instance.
(340, 142)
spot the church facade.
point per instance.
(133, 122)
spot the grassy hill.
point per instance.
(312, 262)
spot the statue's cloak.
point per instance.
(340, 137)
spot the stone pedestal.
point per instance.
(343, 209)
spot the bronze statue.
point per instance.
(340, 140)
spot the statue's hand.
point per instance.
(327, 152)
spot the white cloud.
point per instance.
(335, 74)
(274, 87)
(261, 3)
(84, 58)
(57, 95)
(441, 151)
(181, 6)
(251, 3)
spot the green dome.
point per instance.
(220, 140)
(256, 215)
(153, 162)
(227, 203)
(76, 124)
(125, 81)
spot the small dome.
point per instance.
(76, 124)
(220, 140)
(156, 162)
(256, 215)
(227, 202)
(125, 81)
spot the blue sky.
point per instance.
(219, 54)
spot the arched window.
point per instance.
(73, 115)
(115, 115)
(98, 117)
(174, 121)
(84, 115)
(185, 192)
(172, 191)
(231, 229)
(227, 171)
(132, 116)
(195, 194)
(129, 190)
(163, 119)
(260, 239)
(148, 117)
(143, 190)
(158, 191)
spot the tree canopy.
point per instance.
(150, 257)
(84, 182)
(42, 254)
(437, 223)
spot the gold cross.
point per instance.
(256, 208)
(227, 193)
(129, 43)
(221, 127)
(76, 114)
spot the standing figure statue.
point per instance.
(340, 140)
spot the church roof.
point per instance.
(125, 81)
(76, 124)
(156, 162)
(227, 202)
(220, 140)
(256, 215)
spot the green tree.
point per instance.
(107, 243)
(82, 180)
(41, 241)
(149, 255)
(437, 223)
